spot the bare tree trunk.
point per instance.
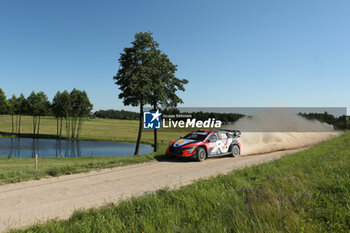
(73, 127)
(39, 125)
(67, 131)
(61, 128)
(34, 125)
(77, 137)
(19, 125)
(57, 121)
(80, 126)
(16, 123)
(140, 129)
(12, 124)
(67, 127)
(155, 146)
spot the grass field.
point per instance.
(307, 191)
(96, 129)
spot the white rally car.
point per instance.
(207, 143)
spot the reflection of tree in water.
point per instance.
(16, 147)
(57, 148)
(60, 148)
(71, 148)
(35, 147)
(66, 148)
(11, 147)
(78, 149)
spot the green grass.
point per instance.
(23, 169)
(95, 129)
(307, 191)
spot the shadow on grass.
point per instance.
(28, 135)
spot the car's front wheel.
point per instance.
(201, 154)
(235, 151)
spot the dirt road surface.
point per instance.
(26, 203)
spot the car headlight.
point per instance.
(190, 148)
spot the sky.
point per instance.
(244, 53)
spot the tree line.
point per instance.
(117, 114)
(72, 107)
(339, 123)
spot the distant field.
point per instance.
(308, 191)
(97, 129)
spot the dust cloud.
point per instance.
(279, 130)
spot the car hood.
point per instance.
(183, 142)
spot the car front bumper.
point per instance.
(193, 156)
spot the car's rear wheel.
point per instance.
(235, 151)
(201, 154)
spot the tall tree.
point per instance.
(61, 108)
(56, 110)
(85, 108)
(164, 86)
(135, 74)
(43, 107)
(74, 97)
(38, 107)
(3, 103)
(33, 103)
(80, 108)
(21, 108)
(66, 110)
(12, 111)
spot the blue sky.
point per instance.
(234, 53)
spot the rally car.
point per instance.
(206, 143)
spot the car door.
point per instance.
(225, 142)
(220, 143)
(213, 145)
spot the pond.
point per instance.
(28, 147)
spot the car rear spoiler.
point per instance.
(236, 133)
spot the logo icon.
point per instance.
(151, 120)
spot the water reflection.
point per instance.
(28, 147)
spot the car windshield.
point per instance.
(196, 136)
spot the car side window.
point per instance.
(213, 137)
(222, 136)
